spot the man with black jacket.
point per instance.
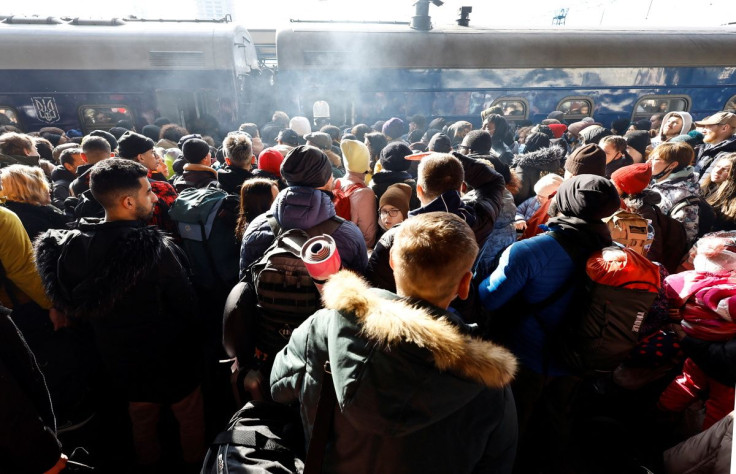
(130, 283)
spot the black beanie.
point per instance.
(107, 136)
(588, 159)
(536, 141)
(393, 157)
(306, 166)
(151, 131)
(195, 150)
(182, 140)
(132, 144)
(587, 197)
(118, 132)
(440, 143)
(639, 140)
(478, 142)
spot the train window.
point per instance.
(514, 108)
(8, 116)
(576, 108)
(731, 105)
(103, 117)
(654, 104)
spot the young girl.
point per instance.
(393, 207)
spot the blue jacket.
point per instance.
(300, 207)
(534, 268)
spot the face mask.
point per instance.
(661, 174)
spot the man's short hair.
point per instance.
(679, 152)
(94, 144)
(432, 252)
(114, 178)
(439, 173)
(618, 142)
(12, 143)
(332, 131)
(67, 156)
(239, 148)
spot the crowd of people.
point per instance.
(141, 306)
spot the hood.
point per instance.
(424, 366)
(544, 159)
(646, 197)
(449, 201)
(675, 179)
(391, 177)
(687, 122)
(508, 211)
(62, 174)
(302, 207)
(86, 270)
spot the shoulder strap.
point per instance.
(684, 202)
(250, 439)
(326, 227)
(273, 224)
(322, 424)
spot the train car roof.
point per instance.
(359, 46)
(130, 46)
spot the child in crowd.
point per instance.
(706, 298)
(544, 188)
(393, 207)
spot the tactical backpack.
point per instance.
(342, 198)
(205, 219)
(630, 229)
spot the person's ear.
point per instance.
(228, 162)
(420, 191)
(463, 288)
(84, 158)
(128, 202)
(69, 168)
(391, 259)
(463, 188)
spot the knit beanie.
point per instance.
(577, 127)
(639, 140)
(587, 197)
(306, 166)
(392, 157)
(397, 195)
(556, 114)
(152, 132)
(355, 156)
(195, 150)
(594, 134)
(632, 179)
(440, 143)
(118, 132)
(692, 138)
(588, 159)
(558, 129)
(132, 144)
(182, 140)
(536, 141)
(393, 128)
(270, 160)
(300, 125)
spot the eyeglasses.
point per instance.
(389, 212)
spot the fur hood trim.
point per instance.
(545, 159)
(388, 322)
(111, 276)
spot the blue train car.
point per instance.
(368, 73)
(91, 75)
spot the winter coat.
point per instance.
(708, 155)
(7, 160)
(526, 209)
(706, 453)
(28, 442)
(410, 382)
(706, 298)
(130, 282)
(693, 384)
(38, 219)
(676, 187)
(670, 243)
(529, 166)
(231, 178)
(611, 167)
(687, 123)
(503, 235)
(385, 178)
(61, 179)
(299, 207)
(363, 206)
(485, 196)
(195, 176)
(16, 259)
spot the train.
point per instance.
(371, 72)
(86, 75)
(208, 76)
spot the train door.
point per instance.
(179, 106)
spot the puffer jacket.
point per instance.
(410, 382)
(130, 282)
(707, 452)
(363, 206)
(61, 179)
(299, 207)
(709, 154)
(529, 167)
(38, 219)
(676, 187)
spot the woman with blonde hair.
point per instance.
(27, 193)
(723, 199)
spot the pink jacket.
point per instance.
(363, 207)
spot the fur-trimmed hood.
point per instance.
(389, 322)
(85, 271)
(544, 159)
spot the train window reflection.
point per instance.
(576, 107)
(649, 105)
(103, 117)
(513, 108)
(731, 105)
(8, 116)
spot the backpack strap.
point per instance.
(328, 226)
(683, 203)
(322, 424)
(250, 439)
